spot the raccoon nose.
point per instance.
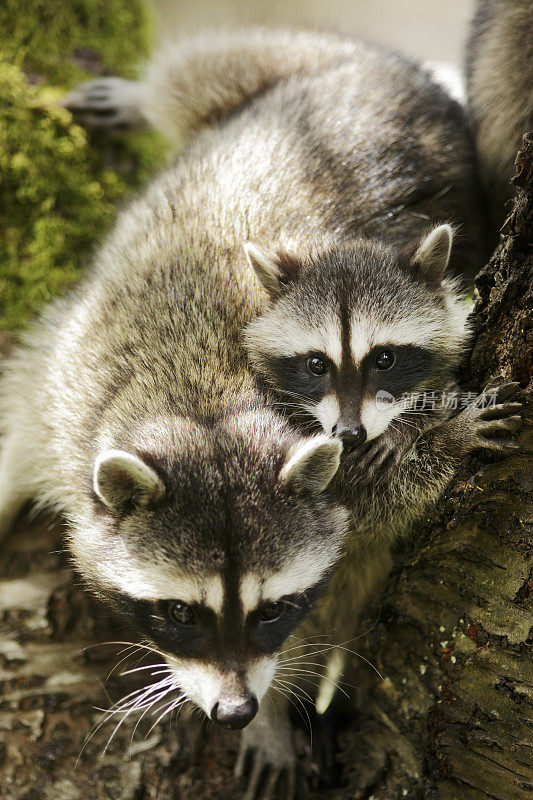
(230, 715)
(350, 435)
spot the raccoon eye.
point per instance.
(271, 612)
(385, 359)
(181, 613)
(316, 365)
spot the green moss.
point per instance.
(58, 189)
(60, 38)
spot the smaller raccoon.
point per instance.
(355, 336)
(365, 340)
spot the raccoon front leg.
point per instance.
(198, 81)
(386, 511)
(382, 512)
(379, 460)
(267, 744)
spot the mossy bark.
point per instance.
(451, 719)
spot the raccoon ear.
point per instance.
(273, 270)
(311, 464)
(433, 254)
(121, 479)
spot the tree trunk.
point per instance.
(451, 719)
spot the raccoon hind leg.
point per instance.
(113, 104)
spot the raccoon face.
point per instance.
(354, 336)
(215, 550)
(223, 657)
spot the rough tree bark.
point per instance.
(452, 718)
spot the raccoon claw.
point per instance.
(504, 391)
(267, 763)
(265, 780)
(380, 457)
(110, 103)
(499, 412)
(489, 422)
(500, 445)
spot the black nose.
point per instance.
(350, 435)
(230, 715)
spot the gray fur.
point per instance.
(359, 137)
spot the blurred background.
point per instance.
(426, 29)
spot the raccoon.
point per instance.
(148, 423)
(366, 341)
(386, 157)
(499, 79)
(192, 506)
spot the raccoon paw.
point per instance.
(110, 103)
(267, 765)
(380, 457)
(489, 423)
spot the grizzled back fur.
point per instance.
(340, 138)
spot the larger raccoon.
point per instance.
(315, 143)
(192, 506)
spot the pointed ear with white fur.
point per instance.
(121, 480)
(433, 254)
(273, 270)
(311, 464)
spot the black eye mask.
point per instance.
(210, 638)
(268, 637)
(410, 367)
(293, 374)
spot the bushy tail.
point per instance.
(499, 75)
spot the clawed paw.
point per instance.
(110, 103)
(490, 420)
(380, 458)
(267, 766)
(262, 778)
